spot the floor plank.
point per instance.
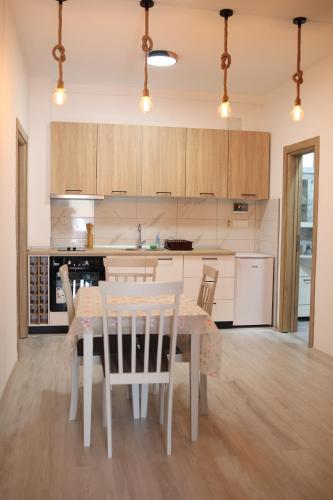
(268, 435)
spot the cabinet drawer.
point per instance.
(170, 269)
(304, 291)
(223, 310)
(191, 287)
(224, 264)
(224, 288)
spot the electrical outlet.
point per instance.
(239, 223)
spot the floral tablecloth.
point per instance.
(191, 320)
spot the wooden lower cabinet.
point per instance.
(248, 169)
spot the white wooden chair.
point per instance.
(206, 301)
(132, 269)
(146, 367)
(138, 269)
(207, 288)
(78, 355)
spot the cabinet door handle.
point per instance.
(165, 258)
(249, 195)
(207, 194)
(209, 258)
(73, 190)
(119, 191)
(168, 193)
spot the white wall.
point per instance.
(13, 104)
(317, 99)
(111, 105)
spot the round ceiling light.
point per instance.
(162, 58)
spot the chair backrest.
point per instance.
(207, 288)
(140, 315)
(68, 292)
(137, 269)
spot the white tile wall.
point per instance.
(206, 222)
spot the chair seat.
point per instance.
(127, 354)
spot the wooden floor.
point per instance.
(269, 433)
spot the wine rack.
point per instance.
(38, 290)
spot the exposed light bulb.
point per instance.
(297, 113)
(59, 96)
(224, 109)
(146, 103)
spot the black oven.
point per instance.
(82, 271)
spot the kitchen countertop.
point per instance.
(104, 251)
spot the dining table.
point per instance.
(195, 330)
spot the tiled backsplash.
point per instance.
(206, 222)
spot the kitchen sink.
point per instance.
(143, 249)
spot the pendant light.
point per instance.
(224, 109)
(297, 112)
(59, 96)
(147, 45)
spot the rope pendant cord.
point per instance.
(147, 46)
(225, 61)
(298, 76)
(58, 50)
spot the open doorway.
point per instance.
(299, 238)
(22, 230)
(307, 168)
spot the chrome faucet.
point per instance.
(140, 243)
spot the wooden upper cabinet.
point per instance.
(248, 174)
(163, 161)
(73, 158)
(119, 160)
(206, 162)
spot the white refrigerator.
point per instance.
(253, 289)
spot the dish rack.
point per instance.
(178, 245)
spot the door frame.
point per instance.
(288, 302)
(22, 230)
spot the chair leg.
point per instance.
(162, 400)
(203, 394)
(74, 386)
(155, 389)
(169, 419)
(108, 404)
(136, 401)
(129, 392)
(144, 400)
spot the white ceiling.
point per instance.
(102, 40)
